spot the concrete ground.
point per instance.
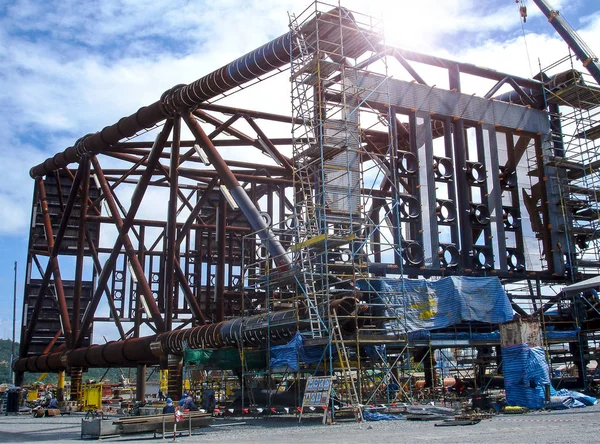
(570, 426)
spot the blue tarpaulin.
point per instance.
(525, 375)
(286, 355)
(419, 304)
(579, 398)
(293, 352)
(377, 416)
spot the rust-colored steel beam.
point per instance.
(221, 256)
(283, 161)
(218, 130)
(131, 147)
(123, 177)
(189, 295)
(109, 297)
(81, 235)
(206, 175)
(232, 131)
(90, 203)
(171, 254)
(138, 270)
(223, 109)
(136, 200)
(185, 229)
(52, 342)
(162, 224)
(243, 175)
(137, 306)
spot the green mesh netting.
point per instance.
(225, 358)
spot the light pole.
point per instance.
(12, 353)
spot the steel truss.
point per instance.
(180, 246)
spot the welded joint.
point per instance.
(167, 102)
(80, 146)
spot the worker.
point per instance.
(392, 389)
(189, 404)
(169, 408)
(459, 385)
(209, 401)
(182, 400)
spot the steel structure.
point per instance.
(380, 178)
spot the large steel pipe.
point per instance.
(271, 56)
(275, 328)
(250, 66)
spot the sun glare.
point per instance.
(407, 25)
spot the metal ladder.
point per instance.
(338, 341)
(307, 283)
(245, 377)
(307, 227)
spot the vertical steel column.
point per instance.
(396, 202)
(83, 195)
(448, 151)
(482, 149)
(140, 383)
(462, 184)
(60, 386)
(138, 304)
(555, 239)
(208, 252)
(427, 195)
(462, 192)
(556, 130)
(171, 229)
(416, 229)
(221, 253)
(376, 231)
(495, 197)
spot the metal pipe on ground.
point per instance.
(250, 331)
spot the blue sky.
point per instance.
(68, 68)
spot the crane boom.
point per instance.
(568, 34)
